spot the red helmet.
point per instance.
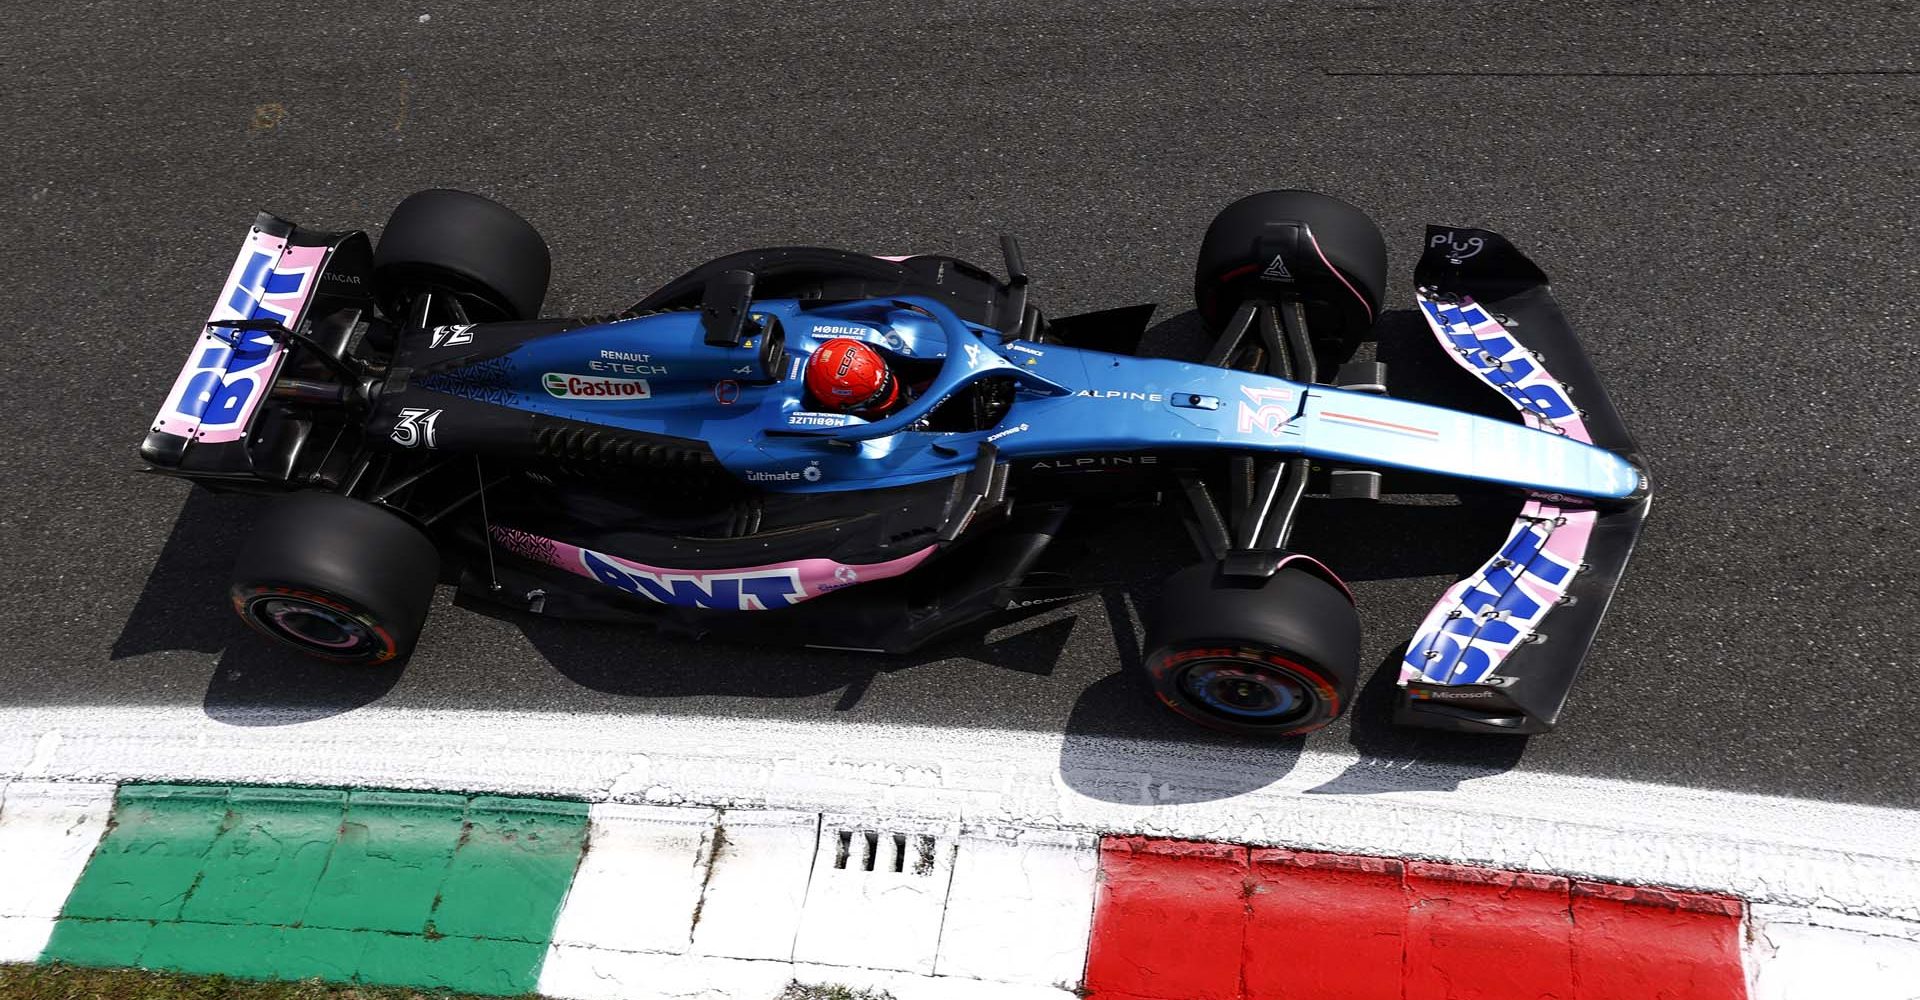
(849, 376)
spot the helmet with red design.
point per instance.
(851, 377)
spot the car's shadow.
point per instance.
(1378, 547)
(600, 657)
(184, 606)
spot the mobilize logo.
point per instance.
(809, 418)
(564, 386)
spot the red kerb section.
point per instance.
(1186, 921)
(1169, 917)
(1323, 925)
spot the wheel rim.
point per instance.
(315, 627)
(1240, 691)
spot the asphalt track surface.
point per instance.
(1726, 194)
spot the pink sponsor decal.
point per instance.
(228, 373)
(1482, 619)
(1477, 342)
(745, 588)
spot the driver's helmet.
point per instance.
(848, 376)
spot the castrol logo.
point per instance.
(563, 386)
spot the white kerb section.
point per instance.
(687, 902)
(1021, 907)
(47, 832)
(638, 885)
(877, 896)
(752, 905)
(1801, 954)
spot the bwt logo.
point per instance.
(1505, 365)
(1268, 412)
(1496, 612)
(759, 590)
(226, 375)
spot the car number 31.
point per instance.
(415, 427)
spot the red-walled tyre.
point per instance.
(1271, 658)
(336, 578)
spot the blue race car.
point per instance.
(705, 462)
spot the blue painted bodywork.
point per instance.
(1068, 402)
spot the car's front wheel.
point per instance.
(336, 578)
(1339, 276)
(1263, 658)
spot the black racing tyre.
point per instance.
(336, 578)
(1270, 658)
(1341, 307)
(478, 250)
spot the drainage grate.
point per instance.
(874, 851)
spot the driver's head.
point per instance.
(850, 377)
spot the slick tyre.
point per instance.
(1267, 659)
(1341, 305)
(464, 245)
(336, 578)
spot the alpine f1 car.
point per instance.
(677, 463)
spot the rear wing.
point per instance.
(283, 274)
(1502, 647)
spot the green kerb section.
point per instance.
(388, 888)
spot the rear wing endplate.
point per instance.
(212, 405)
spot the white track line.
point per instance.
(1858, 859)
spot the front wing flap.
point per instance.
(1501, 649)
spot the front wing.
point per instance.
(1501, 649)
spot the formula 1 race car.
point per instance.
(677, 464)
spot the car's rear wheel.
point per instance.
(492, 260)
(336, 578)
(1268, 658)
(1340, 274)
